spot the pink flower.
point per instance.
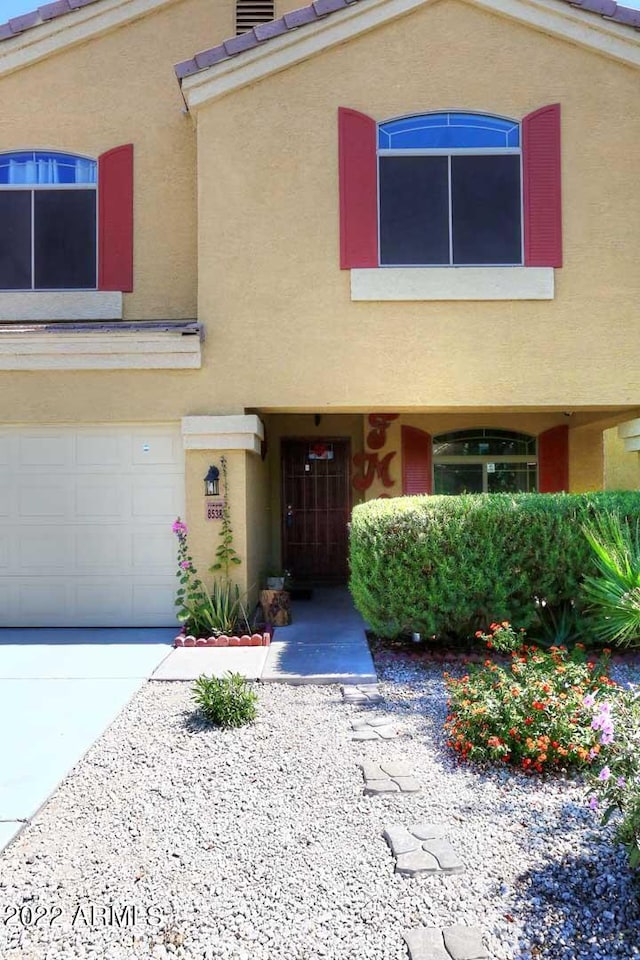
(604, 774)
(589, 700)
(593, 803)
(185, 564)
(179, 527)
(621, 782)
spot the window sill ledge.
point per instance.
(142, 345)
(26, 306)
(453, 283)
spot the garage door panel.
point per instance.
(44, 549)
(106, 550)
(158, 501)
(6, 497)
(151, 597)
(101, 450)
(86, 535)
(46, 450)
(45, 497)
(103, 600)
(43, 601)
(150, 449)
(152, 550)
(97, 498)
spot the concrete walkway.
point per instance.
(325, 643)
(59, 691)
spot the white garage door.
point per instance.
(85, 525)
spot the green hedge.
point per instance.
(448, 566)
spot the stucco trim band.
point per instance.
(234, 432)
(100, 350)
(279, 53)
(630, 433)
(34, 305)
(453, 283)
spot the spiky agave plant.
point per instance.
(613, 593)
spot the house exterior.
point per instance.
(359, 249)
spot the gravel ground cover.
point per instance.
(258, 844)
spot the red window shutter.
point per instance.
(553, 460)
(542, 190)
(358, 171)
(416, 461)
(115, 219)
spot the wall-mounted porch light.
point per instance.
(212, 482)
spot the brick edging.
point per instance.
(246, 640)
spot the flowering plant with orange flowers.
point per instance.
(529, 713)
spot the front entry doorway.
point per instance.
(316, 507)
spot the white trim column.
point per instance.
(629, 432)
(232, 432)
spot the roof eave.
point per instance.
(274, 54)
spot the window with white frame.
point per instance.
(48, 221)
(450, 190)
(485, 460)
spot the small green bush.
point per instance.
(225, 701)
(534, 714)
(446, 565)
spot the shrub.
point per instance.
(205, 614)
(614, 593)
(225, 701)
(444, 566)
(616, 785)
(531, 713)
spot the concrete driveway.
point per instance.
(59, 691)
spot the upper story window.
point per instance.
(48, 221)
(450, 190)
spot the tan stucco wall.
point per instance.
(621, 467)
(204, 535)
(269, 226)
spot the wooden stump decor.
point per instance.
(276, 607)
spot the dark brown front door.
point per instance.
(316, 505)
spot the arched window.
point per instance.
(485, 461)
(48, 221)
(251, 13)
(450, 190)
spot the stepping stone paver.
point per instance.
(452, 943)
(388, 777)
(422, 850)
(361, 693)
(376, 728)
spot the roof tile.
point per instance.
(298, 18)
(23, 22)
(324, 7)
(52, 10)
(605, 7)
(207, 58)
(273, 28)
(239, 44)
(628, 16)
(186, 69)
